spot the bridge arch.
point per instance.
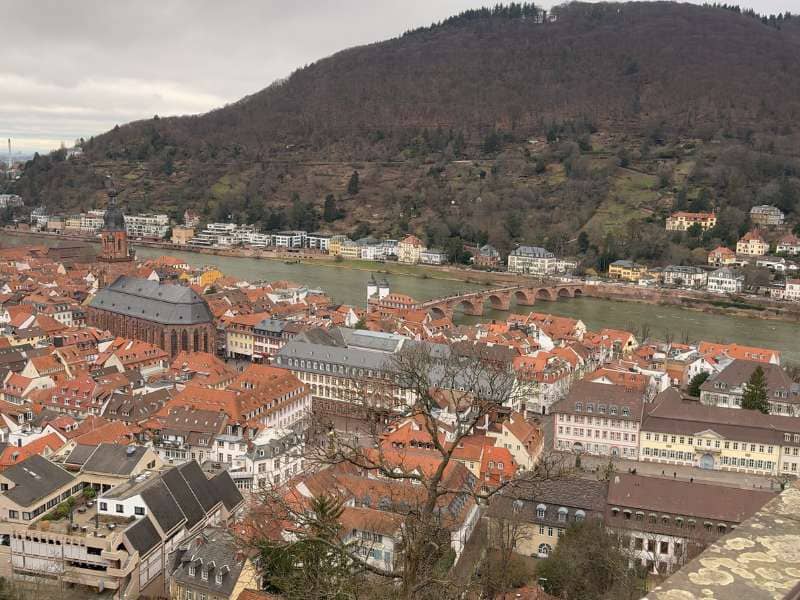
(470, 306)
(565, 292)
(577, 292)
(544, 294)
(525, 297)
(437, 312)
(499, 301)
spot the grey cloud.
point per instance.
(75, 69)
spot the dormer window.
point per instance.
(579, 406)
(218, 579)
(540, 509)
(204, 574)
(590, 407)
(192, 570)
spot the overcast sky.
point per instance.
(77, 68)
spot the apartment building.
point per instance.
(532, 260)
(153, 226)
(433, 256)
(721, 256)
(684, 276)
(626, 270)
(240, 335)
(725, 280)
(289, 239)
(409, 249)
(599, 419)
(215, 235)
(788, 244)
(318, 241)
(752, 244)
(118, 542)
(275, 456)
(681, 221)
(726, 388)
(766, 216)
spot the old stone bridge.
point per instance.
(472, 303)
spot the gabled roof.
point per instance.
(114, 459)
(166, 303)
(184, 496)
(163, 507)
(143, 536)
(201, 486)
(34, 478)
(227, 490)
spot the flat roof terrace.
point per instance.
(85, 522)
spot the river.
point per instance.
(349, 286)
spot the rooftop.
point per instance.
(168, 304)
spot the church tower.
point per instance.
(113, 236)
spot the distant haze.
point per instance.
(71, 70)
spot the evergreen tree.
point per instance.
(314, 566)
(329, 211)
(352, 185)
(695, 383)
(583, 242)
(755, 392)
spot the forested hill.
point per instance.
(585, 118)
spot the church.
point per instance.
(171, 316)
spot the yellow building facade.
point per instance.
(626, 270)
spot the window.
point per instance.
(562, 514)
(218, 579)
(663, 548)
(138, 510)
(120, 508)
(540, 511)
(204, 574)
(192, 571)
(103, 506)
(580, 515)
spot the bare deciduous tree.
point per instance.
(431, 493)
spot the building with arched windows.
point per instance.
(173, 317)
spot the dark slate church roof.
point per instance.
(168, 304)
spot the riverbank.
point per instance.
(749, 307)
(447, 273)
(731, 306)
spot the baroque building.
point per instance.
(173, 317)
